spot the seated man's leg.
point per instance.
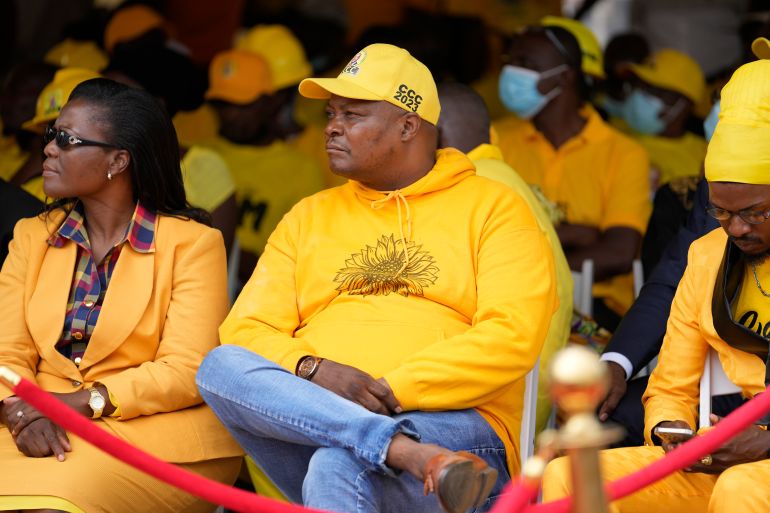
(280, 419)
(742, 488)
(681, 492)
(339, 481)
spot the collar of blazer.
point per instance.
(726, 288)
(124, 303)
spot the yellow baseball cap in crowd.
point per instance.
(761, 48)
(593, 60)
(738, 150)
(673, 70)
(77, 54)
(55, 95)
(382, 72)
(129, 23)
(283, 52)
(238, 76)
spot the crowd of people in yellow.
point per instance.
(321, 263)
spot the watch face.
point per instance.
(306, 367)
(97, 403)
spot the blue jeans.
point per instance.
(325, 451)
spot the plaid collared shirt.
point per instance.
(91, 279)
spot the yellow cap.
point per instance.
(675, 71)
(238, 76)
(77, 54)
(382, 72)
(130, 23)
(282, 50)
(761, 48)
(738, 150)
(593, 60)
(55, 95)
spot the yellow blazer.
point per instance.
(673, 390)
(158, 320)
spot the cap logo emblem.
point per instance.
(228, 69)
(54, 103)
(408, 97)
(354, 66)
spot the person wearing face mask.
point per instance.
(558, 142)
(666, 88)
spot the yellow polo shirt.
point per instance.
(207, 179)
(599, 178)
(672, 158)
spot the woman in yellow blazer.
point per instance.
(111, 300)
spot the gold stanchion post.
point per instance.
(578, 383)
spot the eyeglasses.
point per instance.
(748, 216)
(63, 139)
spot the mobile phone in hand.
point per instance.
(671, 435)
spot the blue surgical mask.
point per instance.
(710, 123)
(613, 107)
(518, 89)
(642, 111)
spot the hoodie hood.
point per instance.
(452, 166)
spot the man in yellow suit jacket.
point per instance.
(721, 304)
(412, 300)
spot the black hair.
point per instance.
(567, 46)
(136, 122)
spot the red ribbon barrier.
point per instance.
(681, 457)
(206, 489)
(515, 498)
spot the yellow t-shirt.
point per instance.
(489, 163)
(196, 126)
(269, 180)
(207, 180)
(752, 309)
(599, 178)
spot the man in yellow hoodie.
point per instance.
(722, 304)
(413, 300)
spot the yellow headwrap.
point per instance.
(739, 151)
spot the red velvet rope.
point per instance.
(211, 491)
(515, 498)
(681, 457)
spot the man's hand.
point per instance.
(750, 445)
(681, 424)
(357, 386)
(42, 438)
(615, 392)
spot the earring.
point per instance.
(109, 175)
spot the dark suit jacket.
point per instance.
(15, 203)
(641, 331)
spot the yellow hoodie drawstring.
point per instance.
(378, 204)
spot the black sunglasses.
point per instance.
(63, 139)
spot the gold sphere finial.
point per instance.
(579, 379)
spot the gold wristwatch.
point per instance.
(96, 402)
(307, 366)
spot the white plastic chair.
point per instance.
(233, 283)
(713, 382)
(582, 291)
(529, 415)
